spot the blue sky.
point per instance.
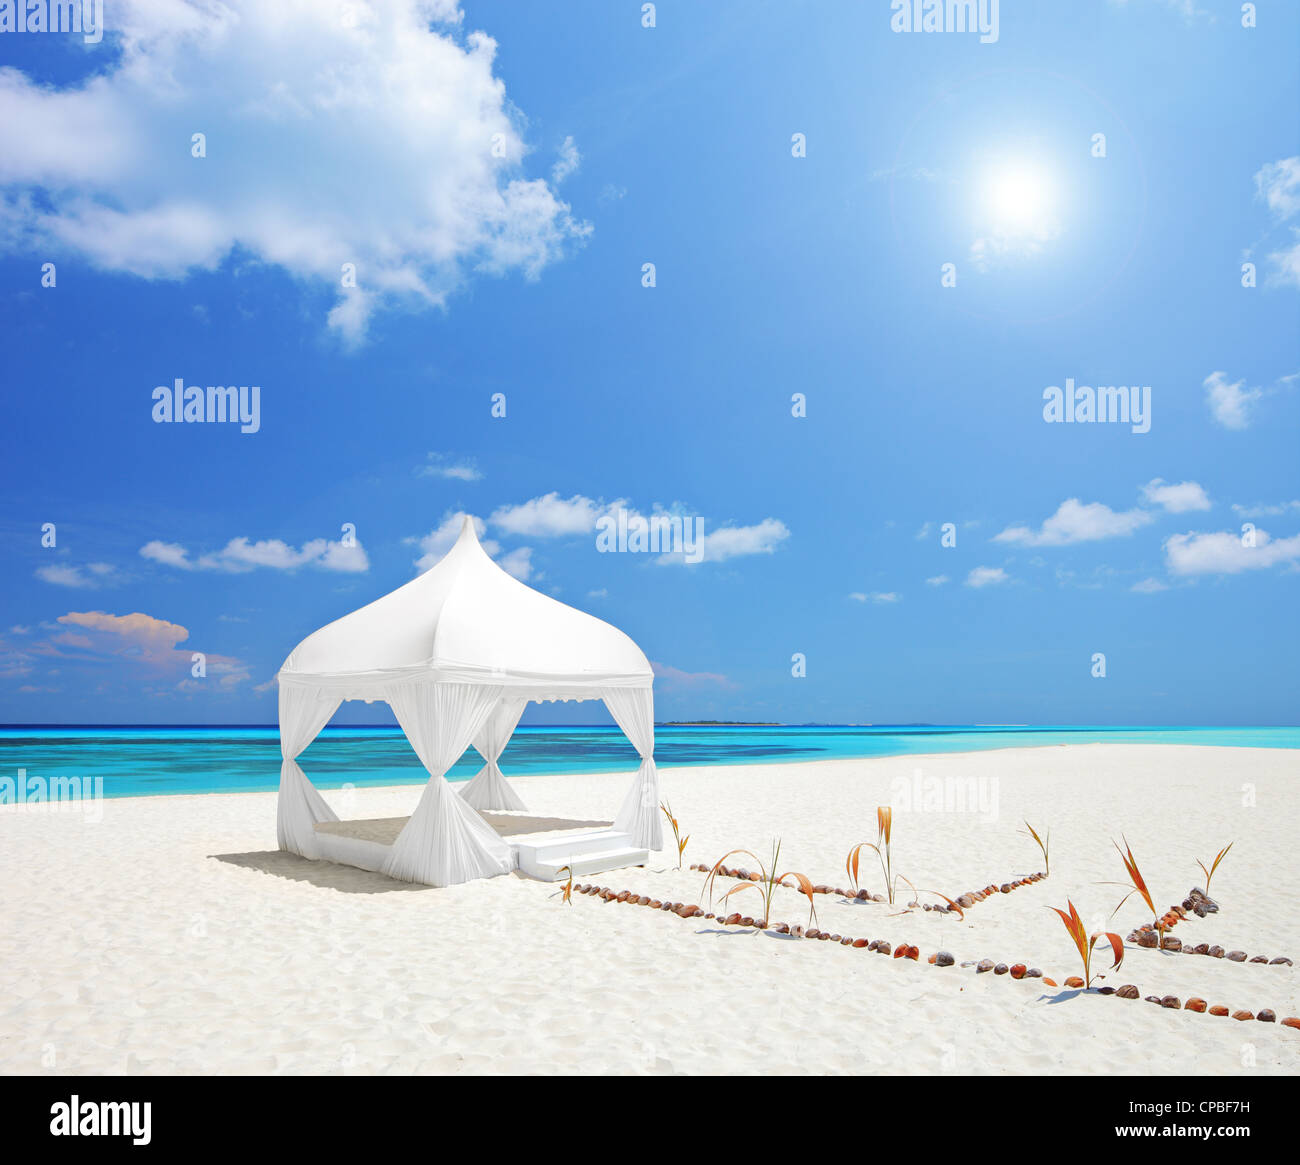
(499, 198)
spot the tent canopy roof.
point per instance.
(466, 619)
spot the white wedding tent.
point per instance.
(458, 652)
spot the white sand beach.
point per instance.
(173, 937)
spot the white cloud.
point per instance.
(1286, 262)
(736, 541)
(441, 465)
(240, 555)
(1075, 521)
(875, 597)
(1176, 499)
(937, 580)
(567, 163)
(1266, 511)
(1278, 185)
(1229, 402)
(923, 532)
(1224, 552)
(551, 516)
(599, 593)
(983, 576)
(1149, 586)
(688, 679)
(379, 141)
(519, 563)
(1185, 8)
(92, 575)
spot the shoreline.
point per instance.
(417, 780)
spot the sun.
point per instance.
(1018, 198)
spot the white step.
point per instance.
(597, 862)
(560, 847)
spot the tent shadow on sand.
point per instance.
(327, 875)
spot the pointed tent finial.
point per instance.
(467, 530)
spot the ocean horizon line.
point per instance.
(752, 724)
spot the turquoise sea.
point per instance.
(143, 760)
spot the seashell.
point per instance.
(1001, 969)
(1236, 956)
(1243, 1014)
(983, 965)
(644, 900)
(1215, 952)
(859, 943)
(846, 941)
(797, 931)
(914, 953)
(901, 952)
(1291, 1021)
(1171, 1001)
(1201, 949)
(1128, 991)
(1280, 961)
(943, 959)
(1172, 944)
(1218, 1009)
(622, 896)
(1260, 959)
(1049, 982)
(1151, 998)
(1195, 1003)
(884, 948)
(782, 928)
(841, 893)
(746, 921)
(1017, 970)
(1266, 1016)
(822, 936)
(1033, 973)
(1147, 939)
(1005, 888)
(755, 877)
(862, 896)
(874, 945)
(811, 932)
(732, 920)
(710, 914)
(1105, 990)
(822, 889)
(1074, 981)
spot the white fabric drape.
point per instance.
(633, 710)
(445, 841)
(304, 711)
(489, 789)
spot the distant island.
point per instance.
(719, 724)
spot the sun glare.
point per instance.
(1019, 198)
